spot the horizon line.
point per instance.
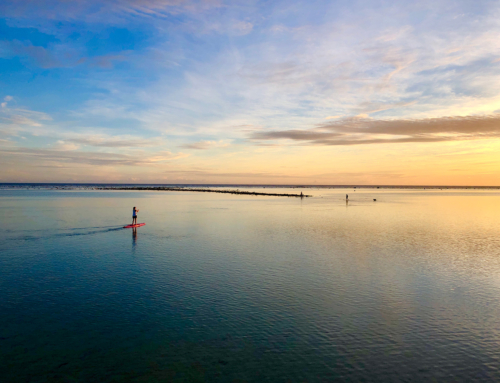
(261, 185)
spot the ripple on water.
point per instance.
(214, 289)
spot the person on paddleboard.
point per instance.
(134, 215)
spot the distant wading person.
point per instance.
(346, 198)
(134, 215)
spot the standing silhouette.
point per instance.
(134, 215)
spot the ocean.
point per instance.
(238, 288)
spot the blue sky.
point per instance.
(394, 92)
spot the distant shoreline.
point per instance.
(183, 187)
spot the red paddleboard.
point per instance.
(136, 225)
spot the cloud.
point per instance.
(464, 125)
(116, 141)
(62, 155)
(356, 131)
(206, 173)
(356, 175)
(103, 62)
(19, 119)
(43, 57)
(166, 156)
(57, 56)
(229, 27)
(369, 107)
(297, 135)
(111, 11)
(22, 120)
(203, 175)
(64, 146)
(6, 100)
(241, 27)
(32, 114)
(202, 145)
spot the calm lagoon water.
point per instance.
(228, 288)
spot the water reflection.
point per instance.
(134, 236)
(403, 289)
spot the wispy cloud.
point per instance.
(203, 145)
(67, 155)
(211, 174)
(115, 11)
(115, 141)
(188, 175)
(57, 56)
(356, 131)
(17, 119)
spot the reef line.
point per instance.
(243, 192)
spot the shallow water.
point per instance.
(231, 288)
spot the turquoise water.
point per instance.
(228, 288)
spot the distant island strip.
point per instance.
(237, 191)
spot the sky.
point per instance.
(250, 92)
